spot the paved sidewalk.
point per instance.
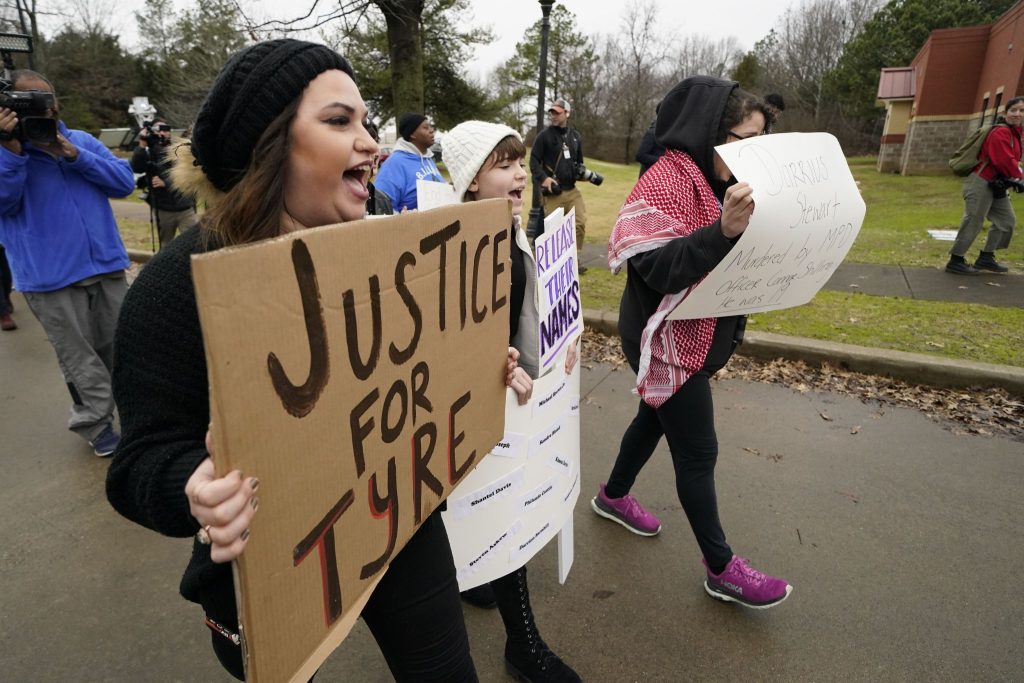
(124, 208)
(931, 284)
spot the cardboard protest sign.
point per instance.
(558, 281)
(524, 493)
(358, 371)
(807, 214)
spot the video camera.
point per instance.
(37, 122)
(151, 136)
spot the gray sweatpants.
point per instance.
(79, 321)
(979, 204)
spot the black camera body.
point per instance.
(591, 177)
(1004, 184)
(34, 111)
(553, 191)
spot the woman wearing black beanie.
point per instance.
(279, 145)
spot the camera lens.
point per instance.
(39, 130)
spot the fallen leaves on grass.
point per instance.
(600, 348)
(978, 411)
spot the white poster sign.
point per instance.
(509, 507)
(558, 281)
(431, 194)
(808, 213)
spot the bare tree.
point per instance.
(632, 59)
(92, 17)
(806, 45)
(700, 55)
(22, 16)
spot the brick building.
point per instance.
(959, 79)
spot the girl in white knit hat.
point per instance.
(485, 161)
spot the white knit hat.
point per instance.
(466, 147)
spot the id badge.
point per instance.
(565, 151)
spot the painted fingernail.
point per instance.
(245, 535)
(255, 503)
(254, 483)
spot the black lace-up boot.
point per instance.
(987, 261)
(527, 656)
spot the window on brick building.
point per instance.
(995, 109)
(984, 110)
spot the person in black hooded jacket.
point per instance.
(649, 150)
(682, 218)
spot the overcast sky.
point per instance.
(508, 19)
(747, 21)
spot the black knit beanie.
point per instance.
(254, 87)
(408, 124)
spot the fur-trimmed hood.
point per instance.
(188, 177)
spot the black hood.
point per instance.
(688, 120)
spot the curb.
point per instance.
(914, 368)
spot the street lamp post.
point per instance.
(535, 225)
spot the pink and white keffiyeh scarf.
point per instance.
(671, 200)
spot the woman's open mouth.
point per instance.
(356, 179)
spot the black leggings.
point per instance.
(414, 614)
(687, 420)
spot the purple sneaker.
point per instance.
(740, 583)
(627, 512)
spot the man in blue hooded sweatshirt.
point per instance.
(410, 161)
(66, 254)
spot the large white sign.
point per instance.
(524, 492)
(807, 214)
(558, 281)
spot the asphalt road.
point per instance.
(903, 542)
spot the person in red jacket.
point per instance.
(985, 194)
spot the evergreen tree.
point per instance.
(892, 38)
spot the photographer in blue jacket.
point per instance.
(64, 248)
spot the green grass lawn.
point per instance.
(987, 334)
(900, 211)
(136, 234)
